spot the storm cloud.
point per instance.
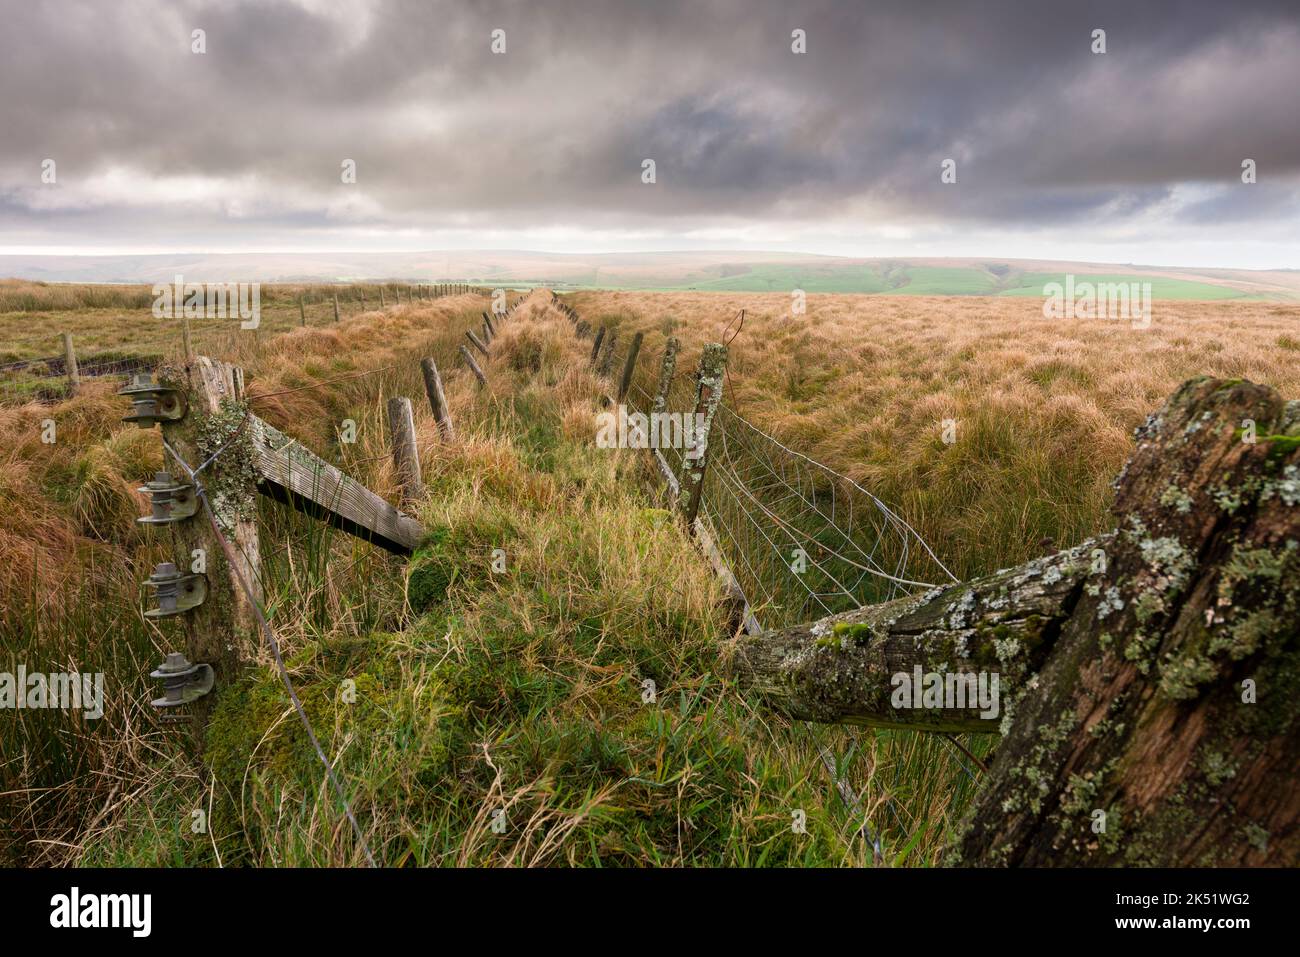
(242, 145)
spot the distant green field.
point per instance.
(897, 279)
(1031, 284)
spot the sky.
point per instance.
(1059, 152)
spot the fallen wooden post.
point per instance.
(290, 473)
(473, 366)
(406, 455)
(437, 398)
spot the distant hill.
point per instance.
(721, 271)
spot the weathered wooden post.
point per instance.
(667, 369)
(477, 343)
(362, 293)
(473, 366)
(302, 312)
(595, 346)
(487, 333)
(70, 365)
(708, 395)
(336, 307)
(607, 355)
(487, 321)
(406, 456)
(382, 304)
(207, 586)
(629, 367)
(437, 398)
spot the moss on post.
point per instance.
(708, 395)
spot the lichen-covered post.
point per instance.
(222, 630)
(629, 367)
(406, 456)
(708, 395)
(667, 368)
(437, 398)
(595, 346)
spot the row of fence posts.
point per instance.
(71, 368)
(708, 396)
(202, 385)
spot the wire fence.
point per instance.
(802, 540)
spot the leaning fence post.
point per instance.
(473, 366)
(629, 367)
(666, 370)
(198, 406)
(70, 364)
(437, 398)
(477, 343)
(487, 333)
(595, 348)
(708, 394)
(336, 307)
(406, 456)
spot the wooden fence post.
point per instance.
(302, 312)
(666, 371)
(607, 355)
(487, 321)
(336, 307)
(70, 364)
(629, 367)
(487, 333)
(595, 347)
(406, 456)
(382, 304)
(437, 398)
(708, 395)
(477, 343)
(220, 629)
(473, 366)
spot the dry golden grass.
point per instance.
(1044, 408)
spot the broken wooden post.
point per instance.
(336, 307)
(667, 368)
(595, 347)
(708, 395)
(437, 398)
(473, 366)
(218, 618)
(629, 367)
(478, 344)
(1146, 678)
(70, 365)
(406, 455)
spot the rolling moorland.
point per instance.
(522, 689)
